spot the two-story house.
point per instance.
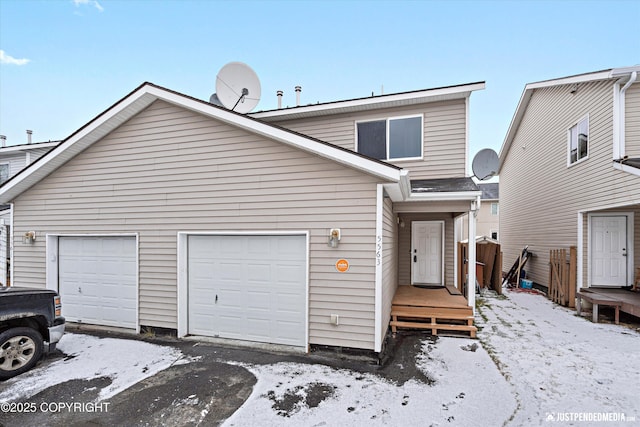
(570, 176)
(13, 159)
(293, 226)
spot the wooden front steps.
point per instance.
(434, 309)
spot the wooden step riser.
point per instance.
(434, 327)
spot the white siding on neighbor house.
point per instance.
(632, 121)
(539, 195)
(485, 221)
(389, 262)
(444, 135)
(17, 160)
(169, 170)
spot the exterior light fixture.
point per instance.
(29, 237)
(334, 237)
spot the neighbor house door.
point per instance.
(608, 249)
(426, 252)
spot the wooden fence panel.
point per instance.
(562, 276)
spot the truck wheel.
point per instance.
(20, 350)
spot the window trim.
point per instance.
(387, 120)
(576, 124)
(497, 205)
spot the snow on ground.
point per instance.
(559, 364)
(126, 362)
(549, 365)
(287, 393)
(535, 363)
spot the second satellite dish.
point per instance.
(237, 88)
(485, 164)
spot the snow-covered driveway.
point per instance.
(561, 366)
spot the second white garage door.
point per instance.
(248, 287)
(97, 278)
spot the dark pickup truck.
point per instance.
(28, 319)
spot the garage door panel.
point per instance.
(251, 275)
(97, 278)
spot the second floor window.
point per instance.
(391, 139)
(494, 209)
(579, 141)
(4, 172)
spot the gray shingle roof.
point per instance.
(490, 191)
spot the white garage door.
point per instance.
(248, 287)
(97, 280)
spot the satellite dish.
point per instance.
(237, 87)
(485, 164)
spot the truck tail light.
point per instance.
(58, 305)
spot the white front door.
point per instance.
(608, 249)
(426, 252)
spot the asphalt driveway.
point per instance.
(206, 389)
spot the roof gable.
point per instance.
(523, 103)
(145, 95)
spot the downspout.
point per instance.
(620, 122)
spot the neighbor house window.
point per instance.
(494, 209)
(390, 139)
(494, 235)
(579, 141)
(4, 172)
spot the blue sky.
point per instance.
(63, 61)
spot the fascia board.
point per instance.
(600, 75)
(341, 156)
(340, 106)
(27, 147)
(445, 196)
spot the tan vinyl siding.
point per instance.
(444, 135)
(389, 262)
(169, 170)
(539, 195)
(632, 121)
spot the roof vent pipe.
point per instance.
(3, 140)
(279, 93)
(29, 133)
(298, 90)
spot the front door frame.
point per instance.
(442, 239)
(629, 243)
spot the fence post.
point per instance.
(573, 262)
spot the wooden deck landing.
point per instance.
(629, 300)
(436, 309)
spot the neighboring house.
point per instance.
(293, 226)
(12, 160)
(570, 176)
(488, 219)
